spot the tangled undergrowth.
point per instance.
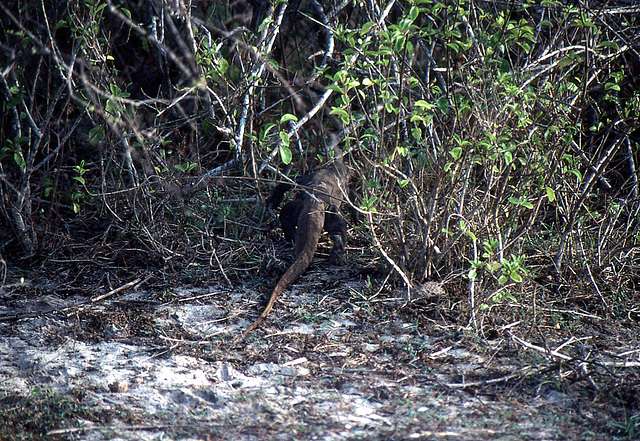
(493, 147)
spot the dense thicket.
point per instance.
(492, 142)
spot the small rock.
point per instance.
(119, 387)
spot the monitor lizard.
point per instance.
(315, 207)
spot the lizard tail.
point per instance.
(311, 231)
(299, 266)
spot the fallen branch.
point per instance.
(12, 317)
(520, 373)
(560, 356)
(117, 290)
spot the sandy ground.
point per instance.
(317, 369)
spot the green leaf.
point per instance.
(525, 46)
(288, 117)
(610, 44)
(413, 13)
(366, 27)
(267, 129)
(110, 108)
(577, 173)
(266, 22)
(333, 87)
(453, 46)
(515, 277)
(285, 154)
(17, 157)
(344, 116)
(612, 86)
(447, 232)
(96, 134)
(551, 194)
(443, 105)
(424, 104)
(285, 138)
(566, 61)
(206, 124)
(456, 152)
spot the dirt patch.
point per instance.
(328, 364)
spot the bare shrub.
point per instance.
(493, 143)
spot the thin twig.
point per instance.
(520, 373)
(224, 274)
(558, 355)
(120, 288)
(395, 266)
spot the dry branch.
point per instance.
(555, 354)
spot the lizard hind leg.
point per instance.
(289, 216)
(336, 226)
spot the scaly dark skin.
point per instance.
(315, 208)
